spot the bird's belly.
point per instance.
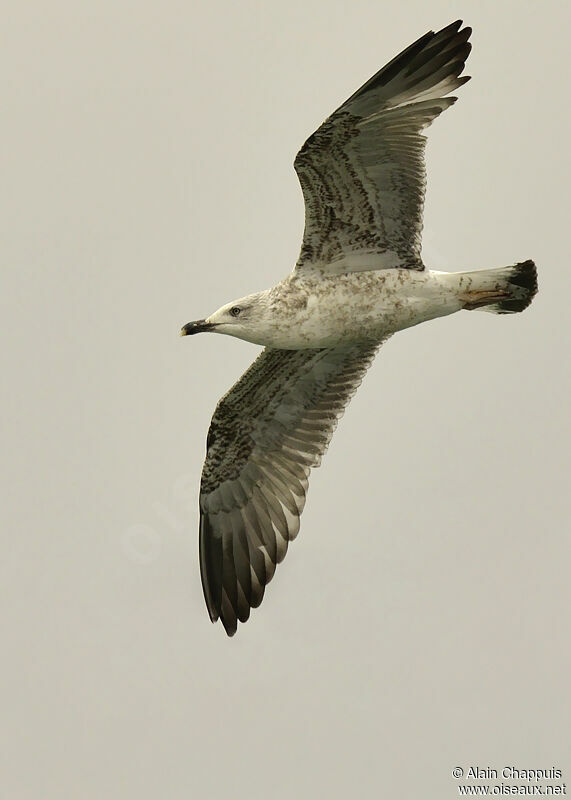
(363, 307)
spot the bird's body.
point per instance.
(308, 312)
(359, 279)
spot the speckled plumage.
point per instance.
(359, 279)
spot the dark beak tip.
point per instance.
(199, 326)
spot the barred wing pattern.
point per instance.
(266, 434)
(362, 172)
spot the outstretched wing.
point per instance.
(362, 172)
(266, 434)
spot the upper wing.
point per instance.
(362, 172)
(266, 434)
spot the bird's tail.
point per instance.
(506, 290)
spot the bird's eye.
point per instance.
(235, 311)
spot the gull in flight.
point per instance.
(359, 278)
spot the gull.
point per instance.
(359, 278)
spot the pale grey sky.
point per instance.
(421, 619)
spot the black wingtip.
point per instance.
(210, 554)
(453, 27)
(230, 629)
(449, 40)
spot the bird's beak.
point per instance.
(199, 326)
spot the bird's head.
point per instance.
(244, 318)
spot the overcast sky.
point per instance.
(421, 619)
